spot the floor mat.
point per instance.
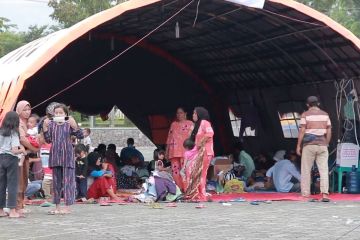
(281, 197)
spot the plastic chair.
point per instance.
(340, 171)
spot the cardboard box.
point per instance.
(220, 164)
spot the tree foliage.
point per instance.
(5, 25)
(11, 40)
(69, 12)
(345, 12)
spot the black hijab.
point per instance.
(92, 159)
(202, 114)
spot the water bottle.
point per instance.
(353, 181)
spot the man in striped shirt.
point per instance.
(313, 140)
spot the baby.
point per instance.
(32, 135)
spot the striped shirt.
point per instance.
(316, 122)
(61, 151)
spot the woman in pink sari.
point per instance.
(202, 135)
(179, 131)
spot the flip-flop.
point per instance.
(156, 206)
(24, 211)
(20, 216)
(55, 212)
(65, 212)
(238, 200)
(226, 204)
(4, 215)
(90, 202)
(105, 204)
(325, 199)
(200, 206)
(172, 204)
(46, 204)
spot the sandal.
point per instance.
(46, 204)
(172, 204)
(91, 201)
(156, 206)
(23, 211)
(105, 204)
(19, 216)
(325, 198)
(55, 212)
(4, 215)
(63, 211)
(200, 206)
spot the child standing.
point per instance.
(87, 140)
(81, 169)
(9, 148)
(190, 154)
(61, 159)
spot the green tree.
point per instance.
(5, 25)
(10, 41)
(345, 12)
(34, 32)
(69, 12)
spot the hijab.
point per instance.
(202, 114)
(21, 105)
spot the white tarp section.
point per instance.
(250, 3)
(16, 64)
(17, 61)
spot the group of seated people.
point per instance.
(280, 173)
(102, 172)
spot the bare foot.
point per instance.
(14, 214)
(3, 213)
(22, 211)
(112, 194)
(66, 210)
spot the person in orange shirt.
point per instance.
(180, 130)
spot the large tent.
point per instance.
(214, 53)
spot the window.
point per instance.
(236, 125)
(290, 123)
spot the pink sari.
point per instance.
(197, 180)
(193, 176)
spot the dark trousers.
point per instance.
(64, 182)
(9, 170)
(81, 187)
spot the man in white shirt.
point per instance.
(284, 173)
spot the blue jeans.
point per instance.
(81, 187)
(33, 187)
